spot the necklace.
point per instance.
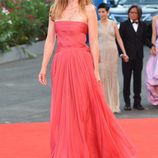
(71, 7)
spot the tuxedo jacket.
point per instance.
(134, 41)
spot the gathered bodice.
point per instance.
(71, 33)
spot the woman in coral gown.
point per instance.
(151, 79)
(82, 125)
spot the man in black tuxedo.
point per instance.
(134, 36)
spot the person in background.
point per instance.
(107, 33)
(134, 35)
(151, 78)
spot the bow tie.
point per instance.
(135, 22)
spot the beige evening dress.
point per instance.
(109, 64)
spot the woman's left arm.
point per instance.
(119, 39)
(93, 37)
(120, 42)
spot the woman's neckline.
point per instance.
(102, 22)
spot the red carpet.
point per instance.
(32, 140)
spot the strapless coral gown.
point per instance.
(82, 125)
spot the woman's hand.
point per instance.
(96, 73)
(42, 76)
(125, 58)
(153, 50)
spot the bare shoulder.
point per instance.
(113, 23)
(155, 18)
(90, 9)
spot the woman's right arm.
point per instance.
(153, 38)
(48, 50)
(153, 31)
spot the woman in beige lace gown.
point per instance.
(107, 33)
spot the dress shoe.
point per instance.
(138, 107)
(127, 108)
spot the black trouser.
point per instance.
(134, 66)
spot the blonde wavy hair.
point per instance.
(58, 7)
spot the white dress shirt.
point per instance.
(135, 26)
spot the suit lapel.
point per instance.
(139, 27)
(130, 26)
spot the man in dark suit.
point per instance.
(134, 36)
